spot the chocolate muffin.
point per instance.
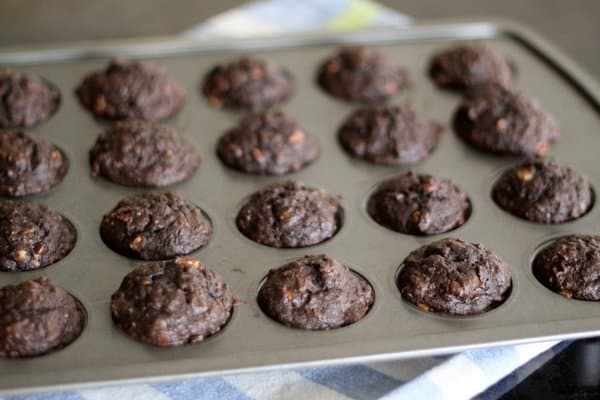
(419, 204)
(131, 89)
(36, 318)
(32, 236)
(570, 266)
(270, 143)
(464, 67)
(29, 164)
(393, 135)
(361, 74)
(315, 292)
(453, 277)
(290, 214)
(26, 100)
(247, 84)
(501, 121)
(141, 153)
(542, 191)
(155, 226)
(172, 303)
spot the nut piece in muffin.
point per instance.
(140, 153)
(247, 84)
(393, 135)
(155, 226)
(32, 236)
(29, 164)
(570, 266)
(36, 318)
(419, 204)
(171, 303)
(453, 277)
(540, 190)
(467, 66)
(27, 99)
(361, 74)
(290, 214)
(315, 292)
(269, 143)
(498, 120)
(131, 89)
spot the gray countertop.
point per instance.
(572, 25)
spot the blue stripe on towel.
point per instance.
(355, 381)
(207, 389)
(494, 359)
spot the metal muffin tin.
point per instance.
(251, 341)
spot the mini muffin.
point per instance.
(393, 135)
(464, 67)
(131, 89)
(248, 84)
(542, 191)
(453, 277)
(27, 100)
(141, 153)
(171, 303)
(570, 266)
(29, 164)
(497, 120)
(155, 226)
(36, 318)
(361, 74)
(290, 214)
(315, 292)
(419, 204)
(270, 143)
(32, 236)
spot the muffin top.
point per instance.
(29, 164)
(141, 153)
(540, 190)
(247, 84)
(37, 317)
(131, 89)
(289, 214)
(454, 277)
(269, 143)
(27, 99)
(315, 292)
(419, 204)
(155, 226)
(172, 303)
(468, 66)
(361, 74)
(497, 120)
(570, 266)
(393, 135)
(32, 236)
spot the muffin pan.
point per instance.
(251, 341)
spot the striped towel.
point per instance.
(457, 377)
(487, 372)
